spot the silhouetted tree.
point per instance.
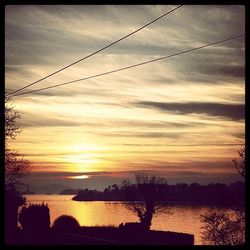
(65, 223)
(142, 197)
(222, 228)
(240, 164)
(35, 218)
(12, 201)
(212, 194)
(15, 166)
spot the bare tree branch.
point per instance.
(15, 166)
(222, 228)
(142, 197)
(240, 164)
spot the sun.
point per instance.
(79, 177)
(82, 157)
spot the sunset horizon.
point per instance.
(182, 117)
(125, 125)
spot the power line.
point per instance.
(69, 65)
(132, 66)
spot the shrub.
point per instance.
(35, 217)
(65, 223)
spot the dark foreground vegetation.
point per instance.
(101, 236)
(195, 194)
(36, 229)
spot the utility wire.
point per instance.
(132, 66)
(69, 65)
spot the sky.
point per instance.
(182, 118)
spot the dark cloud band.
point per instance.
(230, 111)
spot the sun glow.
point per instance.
(82, 157)
(79, 177)
(83, 147)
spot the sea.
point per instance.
(175, 218)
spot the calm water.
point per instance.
(185, 219)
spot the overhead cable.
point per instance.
(107, 46)
(131, 66)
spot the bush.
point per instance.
(65, 223)
(35, 217)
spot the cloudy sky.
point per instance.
(182, 117)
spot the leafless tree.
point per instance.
(142, 197)
(15, 166)
(240, 164)
(222, 228)
(11, 117)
